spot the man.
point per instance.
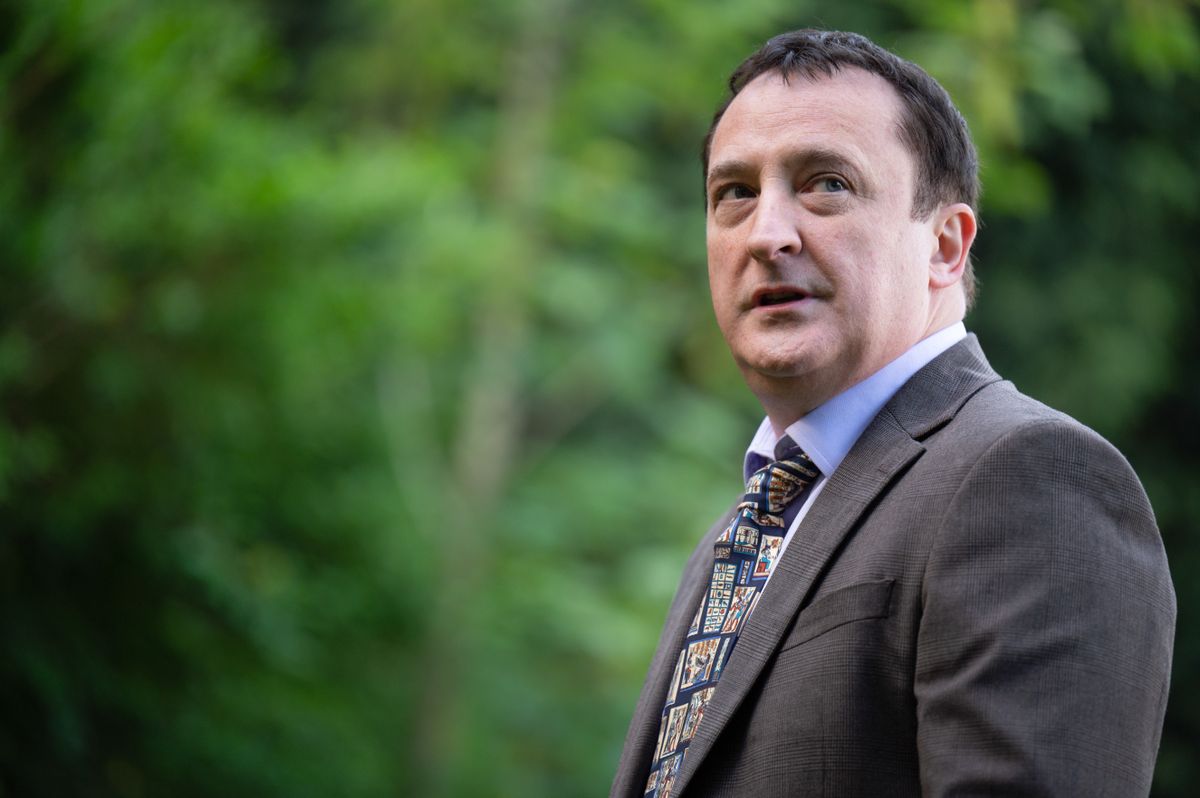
(939, 586)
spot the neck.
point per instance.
(788, 399)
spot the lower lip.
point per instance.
(794, 304)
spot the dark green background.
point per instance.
(360, 394)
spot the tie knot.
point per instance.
(786, 447)
(777, 484)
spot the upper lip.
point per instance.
(776, 293)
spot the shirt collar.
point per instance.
(828, 432)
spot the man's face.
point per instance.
(819, 274)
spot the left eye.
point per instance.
(830, 184)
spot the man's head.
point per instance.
(839, 182)
(930, 125)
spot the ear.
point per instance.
(953, 233)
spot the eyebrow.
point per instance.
(811, 159)
(727, 169)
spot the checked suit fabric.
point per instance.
(744, 554)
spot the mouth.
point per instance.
(774, 296)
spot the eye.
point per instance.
(734, 191)
(829, 184)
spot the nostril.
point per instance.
(774, 234)
(772, 247)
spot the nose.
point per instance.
(774, 232)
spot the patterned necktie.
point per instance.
(745, 554)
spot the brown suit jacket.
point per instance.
(977, 603)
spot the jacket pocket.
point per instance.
(845, 605)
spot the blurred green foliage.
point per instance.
(343, 346)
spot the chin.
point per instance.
(778, 348)
(782, 363)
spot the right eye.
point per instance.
(735, 191)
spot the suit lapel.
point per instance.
(642, 737)
(887, 447)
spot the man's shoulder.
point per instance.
(961, 410)
(1003, 434)
(999, 409)
(959, 393)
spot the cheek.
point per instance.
(868, 268)
(847, 262)
(721, 269)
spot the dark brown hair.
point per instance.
(931, 127)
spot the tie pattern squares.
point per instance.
(744, 555)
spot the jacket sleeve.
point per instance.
(1044, 647)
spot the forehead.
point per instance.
(852, 112)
